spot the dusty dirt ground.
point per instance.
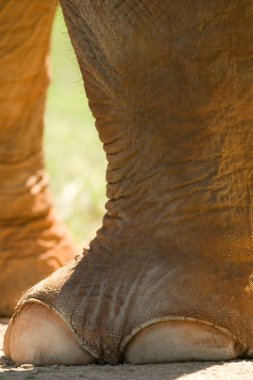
(235, 370)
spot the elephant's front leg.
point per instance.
(169, 275)
(32, 242)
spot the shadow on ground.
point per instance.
(106, 372)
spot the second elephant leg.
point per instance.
(32, 242)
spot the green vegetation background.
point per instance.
(74, 154)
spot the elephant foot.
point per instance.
(101, 309)
(159, 341)
(29, 253)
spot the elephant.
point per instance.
(169, 275)
(33, 241)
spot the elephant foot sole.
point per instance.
(40, 336)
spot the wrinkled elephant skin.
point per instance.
(169, 276)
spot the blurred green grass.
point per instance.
(74, 155)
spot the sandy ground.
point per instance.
(235, 370)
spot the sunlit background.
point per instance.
(74, 154)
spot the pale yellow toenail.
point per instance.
(39, 336)
(179, 340)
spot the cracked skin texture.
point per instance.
(170, 86)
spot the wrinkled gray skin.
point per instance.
(170, 85)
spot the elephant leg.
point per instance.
(169, 276)
(33, 243)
